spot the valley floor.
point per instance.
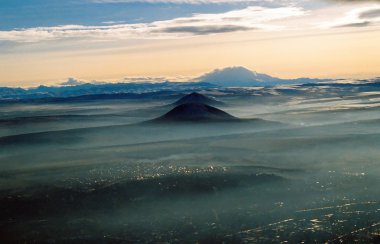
(306, 169)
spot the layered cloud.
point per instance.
(250, 18)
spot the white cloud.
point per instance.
(199, 24)
(72, 82)
(357, 17)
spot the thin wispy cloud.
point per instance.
(250, 18)
(205, 30)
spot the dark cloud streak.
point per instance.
(370, 14)
(359, 24)
(205, 30)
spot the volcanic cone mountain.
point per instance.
(196, 112)
(197, 98)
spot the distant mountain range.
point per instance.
(228, 77)
(98, 90)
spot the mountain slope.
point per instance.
(197, 98)
(196, 112)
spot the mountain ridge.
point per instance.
(220, 78)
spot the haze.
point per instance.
(189, 121)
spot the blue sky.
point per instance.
(79, 18)
(36, 13)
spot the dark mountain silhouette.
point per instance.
(196, 112)
(197, 98)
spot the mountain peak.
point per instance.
(196, 97)
(236, 76)
(239, 76)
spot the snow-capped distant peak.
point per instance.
(242, 77)
(236, 76)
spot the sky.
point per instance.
(47, 41)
